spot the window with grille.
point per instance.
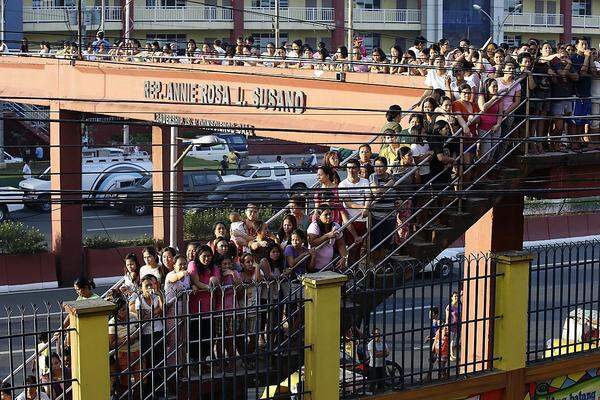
(582, 7)
(269, 3)
(513, 40)
(261, 39)
(510, 6)
(163, 38)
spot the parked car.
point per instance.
(281, 172)
(100, 175)
(214, 152)
(8, 159)
(137, 198)
(11, 199)
(236, 142)
(263, 192)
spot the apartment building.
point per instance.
(381, 22)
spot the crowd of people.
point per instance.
(477, 96)
(563, 80)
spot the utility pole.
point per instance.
(79, 29)
(128, 26)
(2, 164)
(126, 135)
(2, 25)
(102, 15)
(350, 28)
(3, 4)
(173, 189)
(276, 24)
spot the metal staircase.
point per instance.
(36, 118)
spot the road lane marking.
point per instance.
(102, 216)
(114, 228)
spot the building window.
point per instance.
(369, 4)
(52, 3)
(165, 3)
(582, 7)
(269, 3)
(510, 5)
(513, 40)
(261, 39)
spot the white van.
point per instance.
(99, 174)
(209, 153)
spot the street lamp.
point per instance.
(517, 7)
(206, 140)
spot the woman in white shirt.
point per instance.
(153, 265)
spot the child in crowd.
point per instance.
(441, 350)
(247, 298)
(235, 221)
(178, 280)
(434, 316)
(149, 307)
(378, 352)
(43, 353)
(224, 328)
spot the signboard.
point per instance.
(208, 124)
(280, 100)
(578, 386)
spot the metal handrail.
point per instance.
(54, 339)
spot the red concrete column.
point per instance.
(338, 37)
(238, 20)
(181, 200)
(566, 9)
(66, 207)
(160, 183)
(499, 230)
(161, 167)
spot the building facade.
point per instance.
(382, 23)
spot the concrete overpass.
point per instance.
(272, 101)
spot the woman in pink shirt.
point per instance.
(490, 120)
(205, 275)
(509, 91)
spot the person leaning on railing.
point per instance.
(124, 335)
(148, 308)
(326, 236)
(380, 62)
(354, 192)
(380, 205)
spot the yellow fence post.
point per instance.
(510, 328)
(89, 348)
(322, 334)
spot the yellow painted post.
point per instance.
(511, 306)
(89, 348)
(322, 334)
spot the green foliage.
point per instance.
(18, 238)
(198, 225)
(106, 242)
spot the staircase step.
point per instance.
(420, 249)
(432, 233)
(505, 173)
(475, 204)
(457, 218)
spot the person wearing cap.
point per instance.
(100, 40)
